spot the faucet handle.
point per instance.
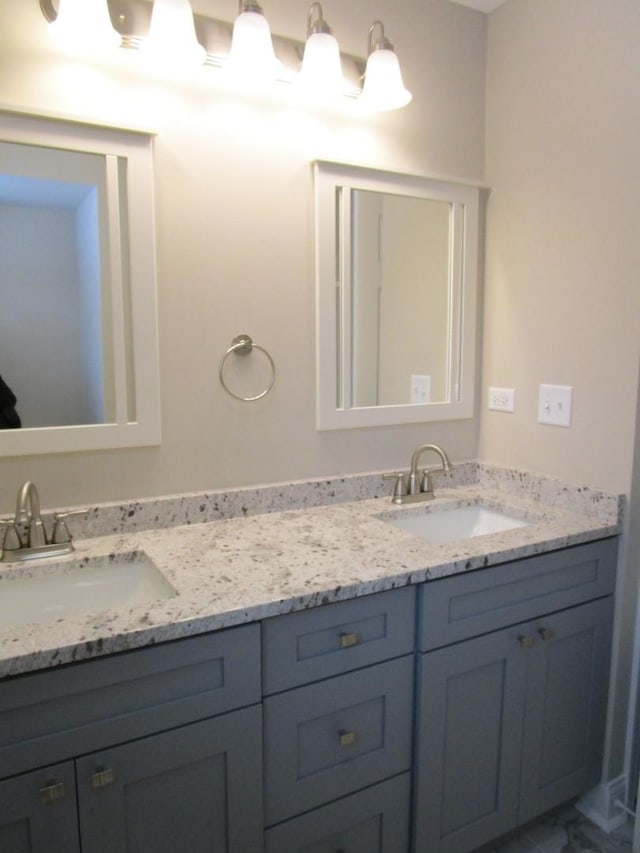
(11, 540)
(61, 533)
(400, 486)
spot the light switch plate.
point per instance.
(555, 403)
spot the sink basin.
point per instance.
(57, 590)
(451, 525)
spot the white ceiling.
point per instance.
(481, 5)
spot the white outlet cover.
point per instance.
(555, 404)
(502, 399)
(420, 388)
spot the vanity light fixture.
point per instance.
(320, 76)
(172, 40)
(252, 57)
(82, 25)
(168, 31)
(383, 88)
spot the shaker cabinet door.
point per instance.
(38, 812)
(469, 731)
(566, 704)
(198, 788)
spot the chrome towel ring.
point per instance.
(243, 345)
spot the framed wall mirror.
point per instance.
(78, 329)
(396, 292)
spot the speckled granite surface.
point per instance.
(332, 546)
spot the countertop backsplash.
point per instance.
(202, 507)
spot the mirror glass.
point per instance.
(396, 282)
(78, 339)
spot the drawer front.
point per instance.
(329, 739)
(304, 647)
(468, 605)
(375, 820)
(66, 711)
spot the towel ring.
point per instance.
(243, 345)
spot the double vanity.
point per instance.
(310, 668)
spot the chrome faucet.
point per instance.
(25, 535)
(415, 487)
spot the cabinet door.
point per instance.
(197, 789)
(468, 737)
(38, 812)
(567, 686)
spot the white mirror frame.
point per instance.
(333, 183)
(137, 148)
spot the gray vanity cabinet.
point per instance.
(38, 812)
(510, 723)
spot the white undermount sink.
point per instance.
(60, 589)
(452, 525)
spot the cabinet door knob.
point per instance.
(52, 791)
(547, 633)
(347, 738)
(347, 640)
(526, 642)
(103, 777)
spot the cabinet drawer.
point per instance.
(372, 821)
(329, 739)
(468, 605)
(78, 708)
(304, 647)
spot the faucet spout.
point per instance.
(28, 514)
(427, 488)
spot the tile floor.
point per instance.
(566, 831)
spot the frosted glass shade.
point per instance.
(252, 56)
(172, 40)
(383, 87)
(321, 77)
(85, 26)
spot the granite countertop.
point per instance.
(237, 570)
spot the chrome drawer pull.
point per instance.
(547, 633)
(349, 640)
(103, 777)
(347, 738)
(52, 792)
(526, 642)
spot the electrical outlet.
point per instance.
(555, 403)
(420, 388)
(502, 399)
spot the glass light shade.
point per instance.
(321, 73)
(85, 26)
(172, 40)
(383, 87)
(252, 56)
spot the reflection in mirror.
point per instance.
(400, 277)
(396, 281)
(78, 340)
